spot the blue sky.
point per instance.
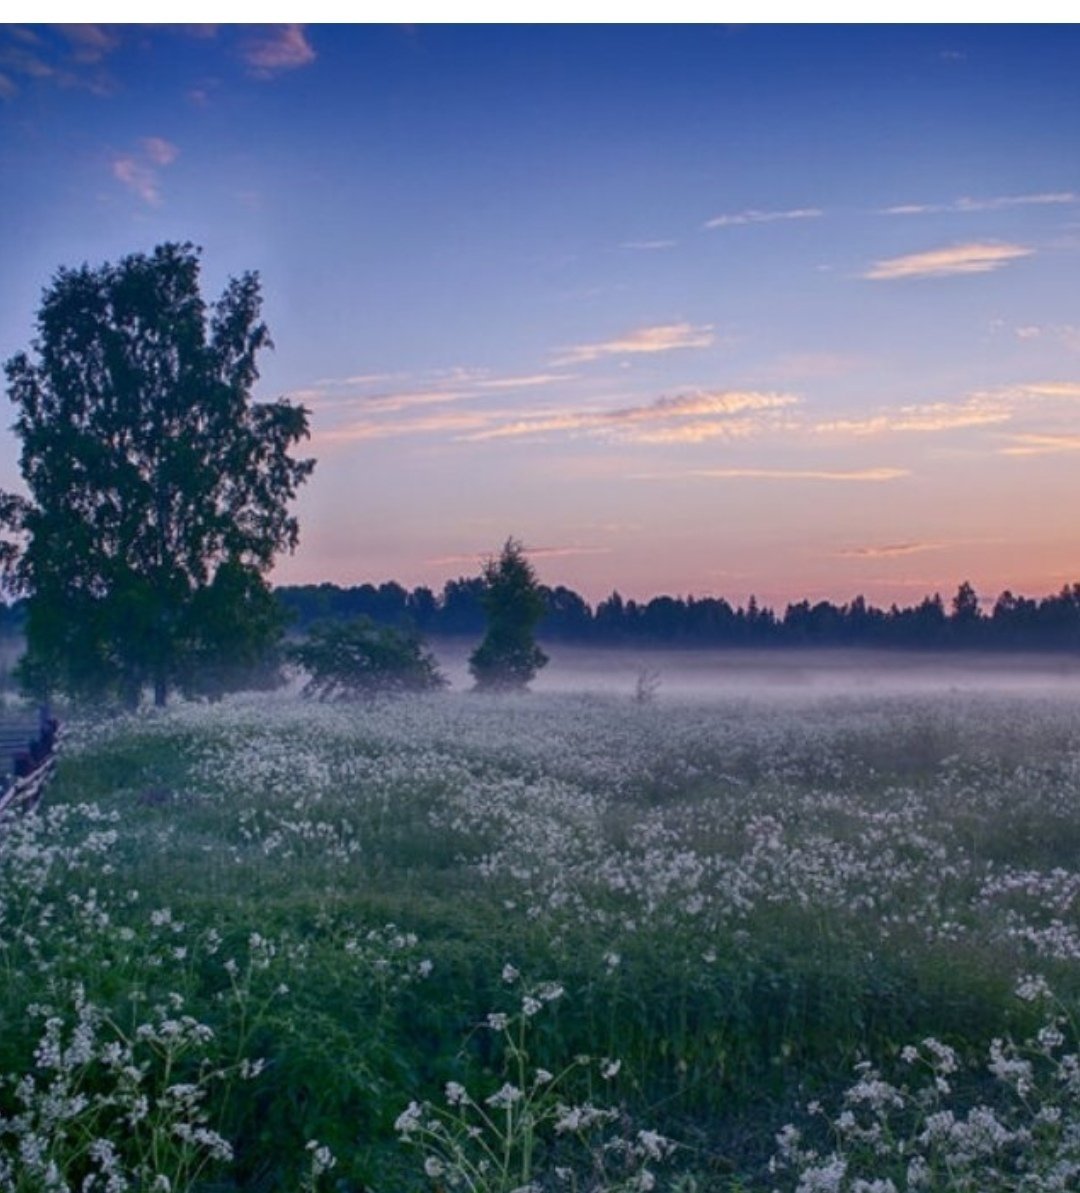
(698, 309)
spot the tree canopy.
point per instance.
(508, 657)
(159, 491)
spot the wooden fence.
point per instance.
(27, 758)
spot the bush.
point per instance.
(352, 659)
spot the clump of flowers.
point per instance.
(516, 1138)
(917, 1136)
(109, 1110)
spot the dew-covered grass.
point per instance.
(548, 942)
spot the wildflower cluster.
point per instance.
(104, 1109)
(525, 1133)
(921, 1134)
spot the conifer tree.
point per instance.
(508, 658)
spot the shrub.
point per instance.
(357, 658)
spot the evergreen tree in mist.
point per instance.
(158, 490)
(508, 657)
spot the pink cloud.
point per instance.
(947, 262)
(138, 178)
(1041, 445)
(478, 557)
(858, 475)
(138, 171)
(285, 47)
(710, 414)
(90, 43)
(889, 550)
(159, 151)
(662, 338)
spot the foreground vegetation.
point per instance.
(548, 942)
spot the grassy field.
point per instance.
(549, 942)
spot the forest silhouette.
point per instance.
(1010, 623)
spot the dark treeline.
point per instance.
(1013, 622)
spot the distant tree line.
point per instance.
(1011, 623)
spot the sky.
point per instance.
(696, 309)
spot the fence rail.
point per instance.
(27, 759)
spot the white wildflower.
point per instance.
(504, 1098)
(409, 1119)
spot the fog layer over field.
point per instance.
(706, 674)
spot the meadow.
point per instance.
(781, 941)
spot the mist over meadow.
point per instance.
(695, 674)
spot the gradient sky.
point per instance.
(784, 310)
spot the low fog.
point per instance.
(724, 674)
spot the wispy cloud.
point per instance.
(648, 245)
(664, 337)
(394, 403)
(858, 475)
(159, 151)
(715, 402)
(536, 424)
(995, 203)
(561, 552)
(139, 170)
(1052, 389)
(90, 43)
(355, 379)
(24, 34)
(1019, 402)
(137, 177)
(527, 381)
(800, 366)
(752, 216)
(441, 423)
(1040, 445)
(708, 415)
(282, 48)
(404, 400)
(1066, 334)
(689, 417)
(454, 385)
(977, 410)
(947, 262)
(697, 432)
(63, 55)
(888, 550)
(477, 557)
(22, 64)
